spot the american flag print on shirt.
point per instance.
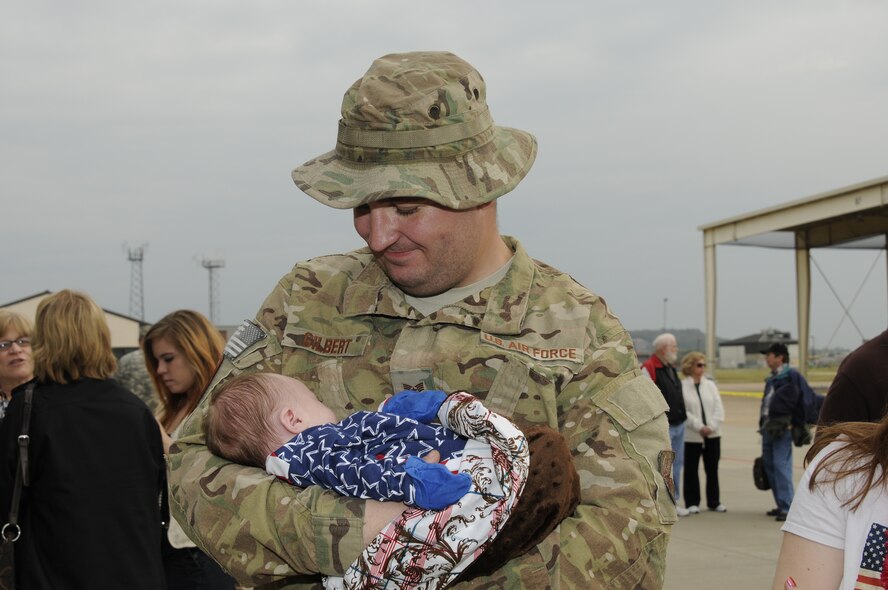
(872, 572)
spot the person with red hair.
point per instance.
(182, 351)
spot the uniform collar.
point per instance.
(498, 309)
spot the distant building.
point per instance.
(124, 329)
(643, 348)
(746, 352)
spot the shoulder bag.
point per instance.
(759, 477)
(11, 531)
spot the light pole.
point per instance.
(665, 300)
(212, 265)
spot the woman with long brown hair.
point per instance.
(89, 517)
(835, 533)
(182, 351)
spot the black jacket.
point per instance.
(667, 380)
(786, 403)
(90, 517)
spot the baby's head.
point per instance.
(254, 414)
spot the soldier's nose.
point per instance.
(382, 229)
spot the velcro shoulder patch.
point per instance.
(247, 334)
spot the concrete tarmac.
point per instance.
(737, 549)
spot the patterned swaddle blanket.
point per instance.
(429, 548)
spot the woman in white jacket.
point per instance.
(702, 433)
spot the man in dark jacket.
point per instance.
(781, 409)
(660, 368)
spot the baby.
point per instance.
(369, 455)
(377, 455)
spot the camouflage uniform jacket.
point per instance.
(536, 347)
(133, 375)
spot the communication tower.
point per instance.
(136, 300)
(212, 265)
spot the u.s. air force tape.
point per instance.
(247, 334)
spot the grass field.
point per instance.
(758, 374)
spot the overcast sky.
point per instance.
(176, 124)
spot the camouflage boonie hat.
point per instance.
(417, 125)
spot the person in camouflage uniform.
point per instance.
(438, 300)
(132, 373)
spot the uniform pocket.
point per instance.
(635, 404)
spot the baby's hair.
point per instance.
(240, 417)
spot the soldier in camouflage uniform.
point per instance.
(133, 375)
(438, 300)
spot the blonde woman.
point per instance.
(702, 433)
(182, 351)
(89, 515)
(16, 366)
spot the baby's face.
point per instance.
(306, 406)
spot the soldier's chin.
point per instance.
(417, 288)
(416, 291)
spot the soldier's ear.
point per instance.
(291, 421)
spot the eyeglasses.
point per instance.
(700, 365)
(22, 342)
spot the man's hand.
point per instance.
(377, 514)
(705, 431)
(776, 427)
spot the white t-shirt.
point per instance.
(863, 534)
(175, 535)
